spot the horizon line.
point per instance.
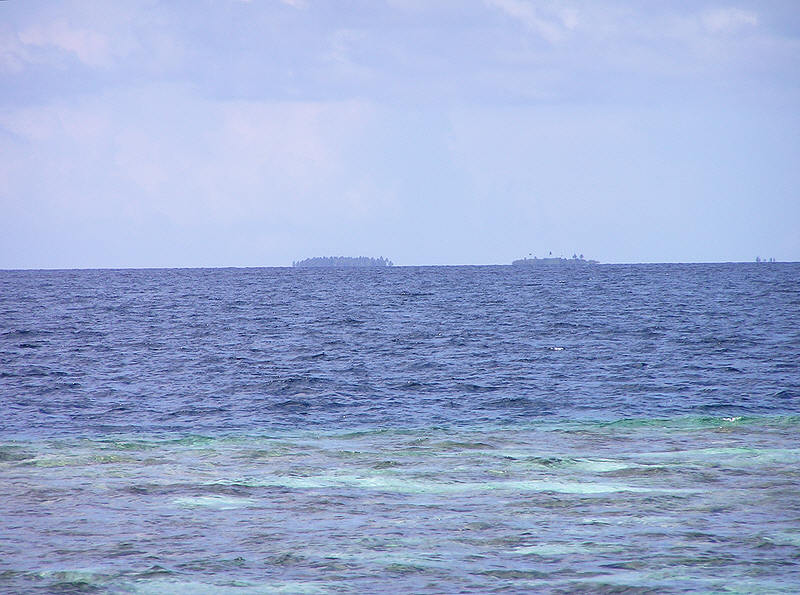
(289, 266)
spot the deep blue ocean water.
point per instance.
(607, 429)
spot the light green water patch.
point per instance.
(78, 580)
(459, 445)
(59, 461)
(542, 460)
(173, 587)
(729, 456)
(112, 458)
(88, 460)
(659, 521)
(467, 448)
(128, 445)
(418, 559)
(195, 440)
(215, 502)
(690, 422)
(481, 436)
(494, 439)
(745, 586)
(77, 576)
(716, 582)
(563, 549)
(254, 454)
(12, 453)
(785, 538)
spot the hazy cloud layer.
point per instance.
(229, 132)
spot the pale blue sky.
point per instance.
(232, 133)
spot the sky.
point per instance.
(190, 133)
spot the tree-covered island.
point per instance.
(343, 261)
(550, 260)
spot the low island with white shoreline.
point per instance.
(343, 261)
(554, 261)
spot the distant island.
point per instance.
(343, 261)
(574, 261)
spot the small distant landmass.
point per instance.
(551, 260)
(343, 261)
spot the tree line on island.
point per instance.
(550, 259)
(343, 261)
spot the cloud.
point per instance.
(552, 28)
(93, 39)
(728, 20)
(192, 160)
(299, 4)
(13, 55)
(90, 47)
(394, 51)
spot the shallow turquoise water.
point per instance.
(670, 505)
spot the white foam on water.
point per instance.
(80, 575)
(599, 466)
(541, 460)
(576, 487)
(387, 483)
(217, 502)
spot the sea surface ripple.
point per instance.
(625, 428)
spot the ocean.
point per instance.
(495, 429)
